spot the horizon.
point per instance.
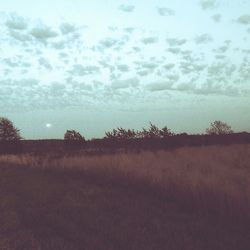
(96, 66)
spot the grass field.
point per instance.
(187, 198)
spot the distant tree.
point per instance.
(72, 135)
(121, 134)
(155, 132)
(8, 132)
(166, 132)
(219, 128)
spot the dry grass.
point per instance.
(214, 180)
(188, 198)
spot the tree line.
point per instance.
(8, 132)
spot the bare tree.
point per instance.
(8, 132)
(219, 128)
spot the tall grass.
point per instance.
(214, 180)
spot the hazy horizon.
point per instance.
(95, 65)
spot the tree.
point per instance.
(166, 132)
(72, 135)
(121, 134)
(8, 132)
(219, 128)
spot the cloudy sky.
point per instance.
(95, 65)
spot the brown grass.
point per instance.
(212, 181)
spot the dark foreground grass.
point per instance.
(52, 209)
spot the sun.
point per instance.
(48, 125)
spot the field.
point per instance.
(185, 198)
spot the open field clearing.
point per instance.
(188, 198)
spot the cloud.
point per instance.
(11, 62)
(129, 29)
(26, 82)
(126, 8)
(208, 4)
(43, 32)
(144, 72)
(16, 22)
(123, 67)
(188, 67)
(148, 65)
(222, 49)
(57, 89)
(166, 12)
(244, 19)
(176, 42)
(67, 28)
(186, 86)
(204, 38)
(169, 66)
(173, 77)
(44, 62)
(108, 42)
(160, 86)
(22, 37)
(149, 40)
(211, 87)
(174, 50)
(216, 18)
(122, 84)
(80, 70)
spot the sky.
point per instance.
(95, 65)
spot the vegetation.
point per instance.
(8, 132)
(72, 135)
(152, 132)
(149, 200)
(219, 128)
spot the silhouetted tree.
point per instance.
(152, 132)
(219, 128)
(72, 135)
(121, 134)
(155, 132)
(166, 132)
(8, 132)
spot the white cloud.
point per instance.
(149, 40)
(148, 65)
(80, 70)
(174, 50)
(16, 22)
(42, 32)
(122, 84)
(57, 89)
(244, 19)
(176, 42)
(108, 42)
(216, 18)
(208, 4)
(204, 38)
(144, 72)
(160, 86)
(129, 29)
(67, 28)
(127, 8)
(123, 67)
(44, 62)
(20, 36)
(169, 66)
(210, 87)
(166, 12)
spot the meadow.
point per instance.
(184, 198)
